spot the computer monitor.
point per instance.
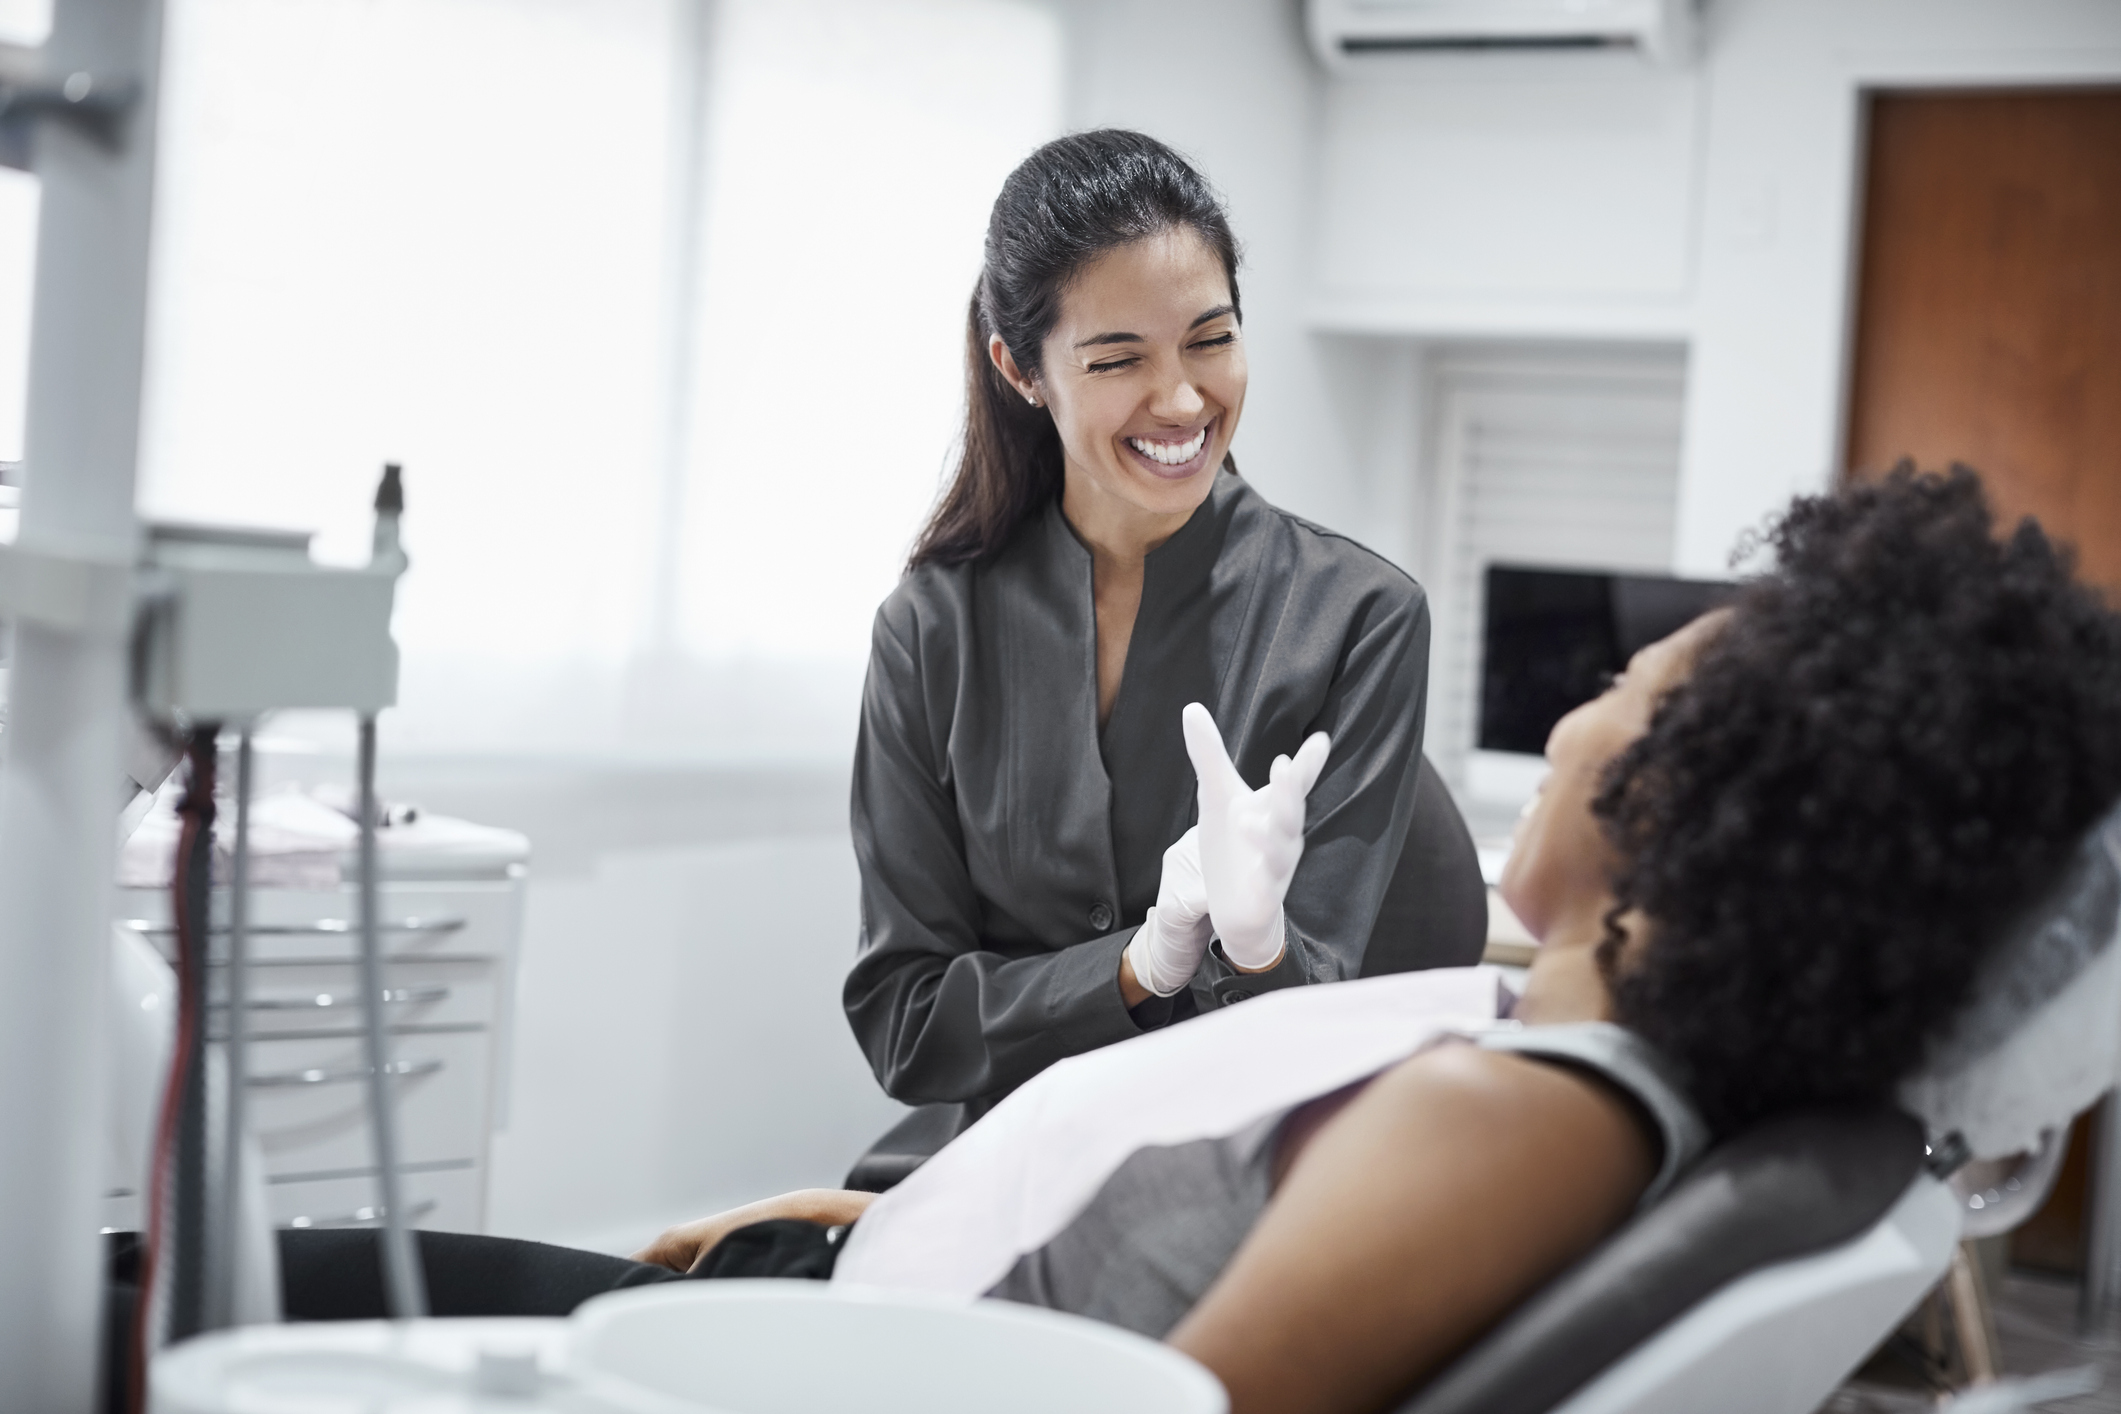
(1553, 639)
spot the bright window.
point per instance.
(449, 233)
(857, 148)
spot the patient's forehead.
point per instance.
(1671, 658)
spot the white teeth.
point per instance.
(1170, 453)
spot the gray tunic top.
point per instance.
(1008, 848)
(1168, 1220)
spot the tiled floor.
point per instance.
(2036, 1320)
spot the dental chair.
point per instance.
(1792, 1251)
(1754, 1287)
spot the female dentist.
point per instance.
(1022, 791)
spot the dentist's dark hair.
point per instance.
(1070, 202)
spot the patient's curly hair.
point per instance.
(1887, 751)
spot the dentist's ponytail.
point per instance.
(1068, 203)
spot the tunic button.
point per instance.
(1236, 995)
(1100, 915)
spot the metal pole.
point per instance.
(404, 1284)
(223, 1254)
(59, 794)
(2100, 1296)
(183, 1251)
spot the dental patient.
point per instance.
(1763, 870)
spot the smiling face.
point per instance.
(1145, 375)
(1561, 864)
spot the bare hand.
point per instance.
(685, 1246)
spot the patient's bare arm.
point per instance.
(682, 1247)
(1439, 1198)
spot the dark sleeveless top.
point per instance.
(1168, 1220)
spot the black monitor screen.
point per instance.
(1553, 639)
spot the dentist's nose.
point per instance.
(1177, 401)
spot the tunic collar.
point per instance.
(1191, 551)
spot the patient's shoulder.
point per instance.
(1521, 1101)
(1452, 1187)
(1456, 1071)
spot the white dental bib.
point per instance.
(1012, 1181)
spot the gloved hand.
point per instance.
(1250, 839)
(1166, 950)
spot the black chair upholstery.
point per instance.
(1792, 1186)
(905, 1147)
(1435, 913)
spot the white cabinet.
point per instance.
(452, 906)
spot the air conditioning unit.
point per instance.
(1349, 33)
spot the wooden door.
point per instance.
(1988, 331)
(1988, 325)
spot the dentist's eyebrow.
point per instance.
(1216, 313)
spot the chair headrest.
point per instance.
(2038, 1041)
(1793, 1185)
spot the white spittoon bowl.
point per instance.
(806, 1347)
(381, 1367)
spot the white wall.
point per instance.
(1592, 196)
(683, 1048)
(1510, 182)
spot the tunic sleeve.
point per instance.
(1357, 816)
(940, 1012)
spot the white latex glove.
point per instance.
(1250, 839)
(1166, 950)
